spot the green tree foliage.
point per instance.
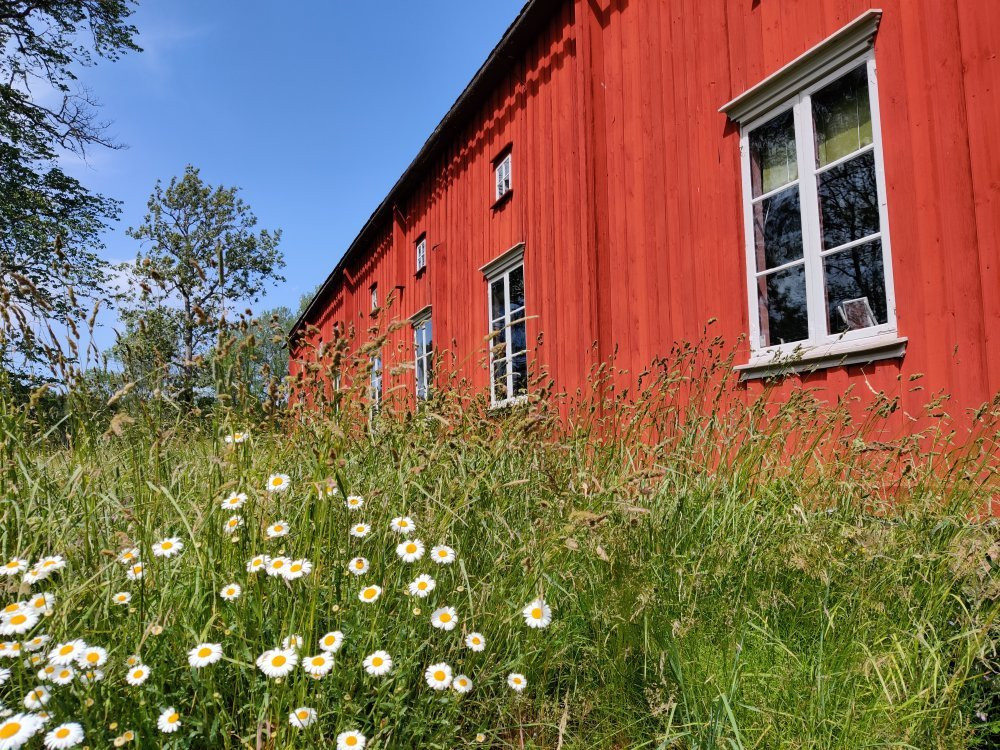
(202, 255)
(50, 224)
(148, 346)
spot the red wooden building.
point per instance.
(817, 176)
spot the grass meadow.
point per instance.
(720, 574)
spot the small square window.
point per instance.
(422, 253)
(502, 173)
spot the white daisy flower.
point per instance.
(122, 598)
(278, 483)
(44, 604)
(517, 681)
(64, 735)
(204, 654)
(10, 649)
(66, 653)
(329, 487)
(45, 673)
(422, 585)
(537, 614)
(292, 641)
(402, 525)
(354, 502)
(277, 662)
(63, 675)
(137, 674)
(37, 698)
(370, 594)
(49, 565)
(92, 657)
(475, 641)
(231, 592)
(410, 550)
(19, 622)
(233, 524)
(235, 438)
(13, 566)
(276, 530)
(257, 563)
(91, 675)
(136, 571)
(317, 666)
(128, 555)
(438, 676)
(461, 684)
(234, 502)
(351, 740)
(169, 721)
(360, 529)
(296, 569)
(358, 566)
(331, 642)
(378, 663)
(133, 660)
(168, 547)
(17, 729)
(443, 554)
(302, 717)
(36, 643)
(444, 618)
(276, 566)
(4, 675)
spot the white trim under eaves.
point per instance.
(503, 262)
(850, 42)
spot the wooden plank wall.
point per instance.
(627, 192)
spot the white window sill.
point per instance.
(808, 358)
(509, 403)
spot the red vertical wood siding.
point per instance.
(627, 193)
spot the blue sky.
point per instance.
(313, 107)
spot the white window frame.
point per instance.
(374, 296)
(791, 88)
(502, 176)
(375, 384)
(419, 322)
(422, 253)
(501, 268)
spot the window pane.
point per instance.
(421, 380)
(497, 299)
(855, 288)
(498, 343)
(782, 301)
(848, 199)
(772, 154)
(842, 117)
(777, 225)
(519, 367)
(428, 370)
(517, 287)
(428, 336)
(500, 380)
(517, 337)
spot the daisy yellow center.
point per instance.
(537, 613)
(9, 729)
(238, 436)
(351, 741)
(278, 563)
(461, 683)
(47, 564)
(34, 695)
(137, 674)
(359, 564)
(279, 528)
(276, 482)
(137, 569)
(318, 661)
(67, 649)
(62, 733)
(230, 591)
(233, 522)
(517, 680)
(18, 619)
(11, 607)
(278, 661)
(445, 617)
(369, 593)
(64, 674)
(173, 718)
(442, 553)
(439, 675)
(296, 567)
(360, 529)
(422, 585)
(204, 651)
(411, 548)
(303, 714)
(93, 657)
(12, 564)
(329, 640)
(167, 545)
(128, 556)
(403, 524)
(377, 661)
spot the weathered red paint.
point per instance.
(627, 191)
